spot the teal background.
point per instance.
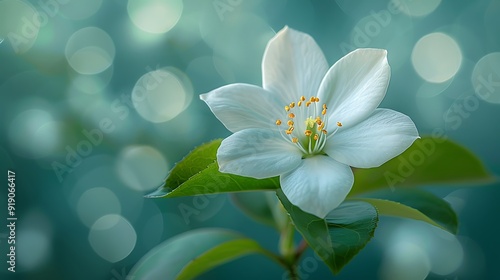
(46, 104)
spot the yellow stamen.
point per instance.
(308, 103)
(299, 103)
(324, 131)
(292, 104)
(290, 123)
(324, 106)
(312, 99)
(295, 139)
(287, 108)
(288, 131)
(302, 98)
(308, 132)
(316, 136)
(339, 124)
(316, 100)
(323, 112)
(278, 122)
(291, 115)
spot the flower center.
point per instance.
(306, 121)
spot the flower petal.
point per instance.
(257, 153)
(318, 185)
(242, 106)
(355, 85)
(293, 65)
(372, 142)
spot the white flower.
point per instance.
(308, 124)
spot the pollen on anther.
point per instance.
(278, 122)
(316, 136)
(295, 139)
(324, 131)
(316, 99)
(308, 103)
(302, 98)
(312, 99)
(290, 123)
(323, 112)
(292, 104)
(324, 106)
(288, 131)
(308, 132)
(299, 103)
(339, 124)
(291, 115)
(287, 108)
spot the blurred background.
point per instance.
(99, 99)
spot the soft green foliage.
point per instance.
(192, 177)
(218, 255)
(338, 237)
(427, 161)
(192, 253)
(415, 204)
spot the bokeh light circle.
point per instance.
(34, 134)
(159, 96)
(436, 57)
(92, 84)
(33, 248)
(90, 50)
(95, 203)
(141, 168)
(405, 260)
(486, 78)
(418, 8)
(112, 237)
(155, 16)
(20, 24)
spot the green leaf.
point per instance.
(198, 173)
(341, 235)
(420, 205)
(196, 161)
(221, 254)
(262, 206)
(190, 254)
(428, 161)
(396, 209)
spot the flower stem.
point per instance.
(287, 246)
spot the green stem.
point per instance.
(287, 246)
